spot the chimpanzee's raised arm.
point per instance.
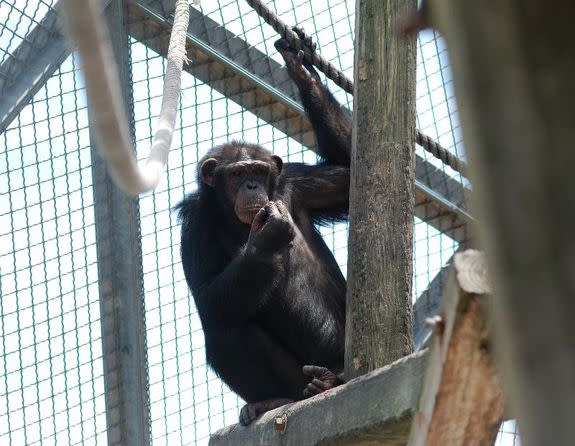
(321, 190)
(332, 123)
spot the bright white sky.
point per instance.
(51, 378)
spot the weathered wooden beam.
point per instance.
(380, 261)
(375, 408)
(461, 401)
(261, 85)
(513, 67)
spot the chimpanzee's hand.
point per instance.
(272, 228)
(300, 70)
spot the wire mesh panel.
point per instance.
(17, 19)
(51, 365)
(436, 117)
(508, 434)
(51, 376)
(187, 400)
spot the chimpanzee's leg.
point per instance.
(257, 368)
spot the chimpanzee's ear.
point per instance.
(207, 171)
(278, 162)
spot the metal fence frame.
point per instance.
(121, 278)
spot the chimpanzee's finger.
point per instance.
(314, 371)
(323, 386)
(260, 219)
(311, 390)
(282, 208)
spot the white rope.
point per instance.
(88, 31)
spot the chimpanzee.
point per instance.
(270, 295)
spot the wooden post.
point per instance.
(514, 66)
(461, 401)
(373, 409)
(379, 319)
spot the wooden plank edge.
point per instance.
(376, 407)
(462, 400)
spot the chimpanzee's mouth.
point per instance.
(249, 214)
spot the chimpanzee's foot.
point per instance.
(323, 379)
(252, 410)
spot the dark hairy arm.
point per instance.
(331, 121)
(236, 292)
(233, 287)
(323, 190)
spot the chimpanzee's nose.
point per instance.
(251, 185)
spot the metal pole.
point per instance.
(120, 280)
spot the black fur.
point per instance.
(266, 316)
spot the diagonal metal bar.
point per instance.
(35, 60)
(427, 305)
(229, 65)
(121, 278)
(30, 65)
(261, 85)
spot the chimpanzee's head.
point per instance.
(243, 176)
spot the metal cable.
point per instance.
(342, 81)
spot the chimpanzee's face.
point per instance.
(247, 184)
